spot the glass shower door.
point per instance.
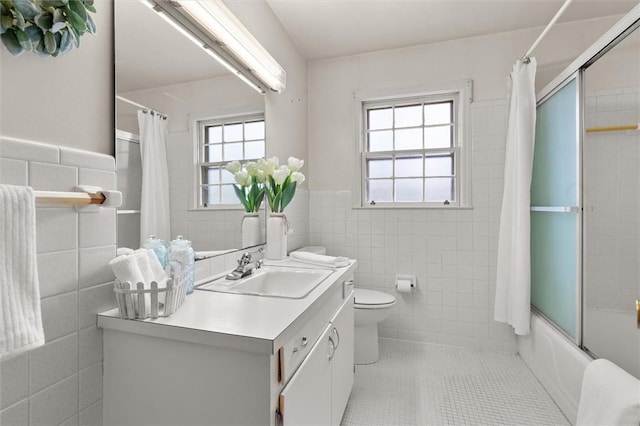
(555, 212)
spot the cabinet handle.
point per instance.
(345, 288)
(338, 336)
(303, 345)
(332, 348)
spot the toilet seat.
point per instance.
(372, 299)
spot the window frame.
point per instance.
(458, 92)
(199, 128)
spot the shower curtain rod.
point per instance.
(525, 58)
(144, 108)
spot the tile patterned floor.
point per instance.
(424, 384)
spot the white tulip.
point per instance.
(281, 174)
(243, 178)
(297, 177)
(269, 165)
(234, 167)
(252, 168)
(295, 164)
(261, 177)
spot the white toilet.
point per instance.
(371, 308)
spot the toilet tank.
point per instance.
(313, 249)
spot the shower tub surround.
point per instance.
(61, 382)
(451, 251)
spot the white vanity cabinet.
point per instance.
(229, 359)
(318, 392)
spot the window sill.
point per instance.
(412, 207)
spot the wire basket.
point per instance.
(138, 302)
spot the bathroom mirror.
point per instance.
(212, 118)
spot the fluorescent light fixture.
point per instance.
(217, 20)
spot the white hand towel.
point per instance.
(126, 269)
(320, 259)
(609, 396)
(20, 314)
(157, 271)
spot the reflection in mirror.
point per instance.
(611, 173)
(212, 118)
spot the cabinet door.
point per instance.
(306, 400)
(342, 333)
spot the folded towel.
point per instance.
(122, 251)
(320, 259)
(609, 396)
(20, 314)
(126, 269)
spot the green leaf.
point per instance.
(7, 4)
(258, 199)
(20, 23)
(34, 33)
(57, 26)
(27, 9)
(74, 35)
(66, 41)
(91, 25)
(242, 197)
(44, 21)
(287, 194)
(50, 42)
(58, 16)
(90, 7)
(11, 42)
(6, 20)
(53, 3)
(24, 40)
(76, 21)
(78, 7)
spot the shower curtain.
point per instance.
(513, 286)
(154, 206)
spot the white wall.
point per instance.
(66, 100)
(452, 252)
(62, 102)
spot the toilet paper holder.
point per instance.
(405, 283)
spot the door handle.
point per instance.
(332, 348)
(638, 311)
(335, 330)
(303, 345)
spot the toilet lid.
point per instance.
(372, 297)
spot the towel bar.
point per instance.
(69, 197)
(91, 197)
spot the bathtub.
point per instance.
(612, 334)
(557, 363)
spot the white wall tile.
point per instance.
(53, 362)
(58, 272)
(90, 346)
(52, 177)
(94, 265)
(13, 172)
(86, 159)
(73, 421)
(59, 315)
(102, 178)
(16, 415)
(90, 385)
(94, 300)
(56, 229)
(55, 404)
(92, 416)
(26, 150)
(97, 228)
(13, 380)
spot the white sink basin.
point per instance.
(290, 283)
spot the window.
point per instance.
(412, 151)
(222, 141)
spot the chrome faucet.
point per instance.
(245, 266)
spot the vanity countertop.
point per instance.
(237, 321)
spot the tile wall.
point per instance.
(611, 200)
(451, 252)
(61, 382)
